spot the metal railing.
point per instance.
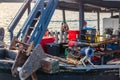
(17, 18)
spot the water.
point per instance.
(9, 10)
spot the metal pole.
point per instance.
(29, 7)
(111, 13)
(64, 17)
(98, 20)
(81, 16)
(119, 18)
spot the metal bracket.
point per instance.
(32, 63)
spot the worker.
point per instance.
(64, 27)
(46, 33)
(64, 31)
(85, 25)
(106, 34)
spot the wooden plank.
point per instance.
(63, 60)
(114, 61)
(104, 42)
(30, 47)
(110, 51)
(13, 44)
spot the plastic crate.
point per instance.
(52, 49)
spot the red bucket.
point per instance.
(73, 35)
(46, 40)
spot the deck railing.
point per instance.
(17, 18)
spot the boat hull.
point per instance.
(5, 74)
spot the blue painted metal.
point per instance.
(44, 21)
(39, 4)
(18, 17)
(46, 12)
(40, 28)
(48, 17)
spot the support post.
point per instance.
(98, 20)
(81, 17)
(119, 18)
(111, 13)
(29, 7)
(64, 17)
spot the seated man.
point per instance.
(64, 31)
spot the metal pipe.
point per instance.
(98, 20)
(29, 7)
(63, 14)
(119, 18)
(111, 13)
(81, 16)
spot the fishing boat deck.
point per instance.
(76, 5)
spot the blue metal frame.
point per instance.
(18, 17)
(39, 4)
(48, 18)
(44, 21)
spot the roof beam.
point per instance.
(111, 0)
(12, 0)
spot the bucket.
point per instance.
(73, 35)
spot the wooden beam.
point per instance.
(69, 1)
(62, 60)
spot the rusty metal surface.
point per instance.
(33, 62)
(50, 65)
